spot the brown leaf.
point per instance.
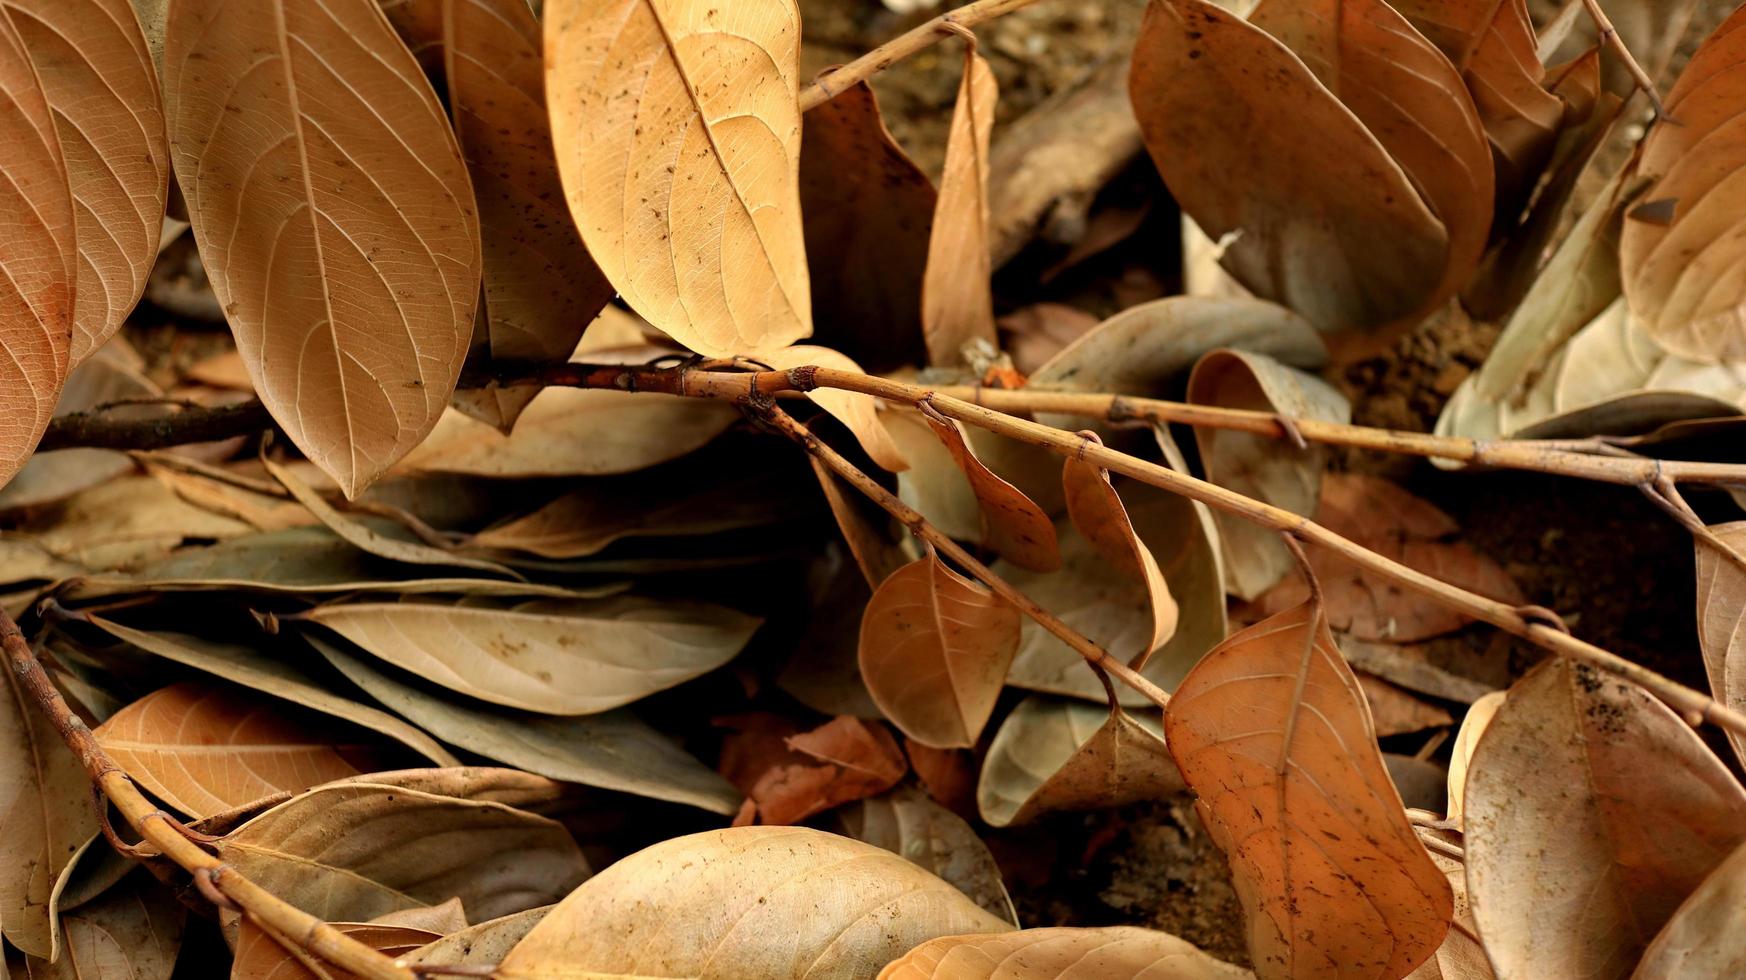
(858, 412)
(1012, 525)
(260, 956)
(98, 80)
(1263, 468)
(1331, 227)
(935, 648)
(485, 944)
(1097, 511)
(1035, 334)
(863, 196)
(1271, 731)
(550, 656)
(957, 301)
(541, 288)
(905, 821)
(678, 127)
(203, 748)
(1109, 953)
(1721, 619)
(1380, 516)
(308, 144)
(1054, 755)
(779, 903)
(1592, 812)
(51, 476)
(1411, 99)
(1677, 275)
(1395, 712)
(352, 851)
(45, 813)
(949, 775)
(1462, 956)
(790, 775)
(1705, 936)
(39, 263)
(131, 932)
(865, 527)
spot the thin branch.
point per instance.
(101, 430)
(918, 525)
(828, 87)
(225, 883)
(1609, 36)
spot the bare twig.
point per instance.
(918, 525)
(901, 47)
(211, 874)
(1609, 36)
(100, 430)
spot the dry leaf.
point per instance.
(678, 127)
(248, 666)
(1260, 467)
(933, 484)
(203, 748)
(1412, 667)
(551, 656)
(1462, 956)
(1411, 99)
(1034, 334)
(1721, 619)
(957, 302)
(1704, 938)
(1271, 731)
(779, 903)
(615, 750)
(863, 196)
(790, 775)
(45, 813)
(1110, 953)
(132, 932)
(541, 288)
(1395, 712)
(1054, 755)
(310, 150)
(39, 264)
(1012, 525)
(1678, 275)
(1330, 227)
(1592, 811)
(260, 956)
(1379, 515)
(353, 851)
(485, 944)
(1096, 510)
(866, 528)
(904, 821)
(97, 78)
(1478, 718)
(934, 652)
(858, 412)
(949, 775)
(59, 473)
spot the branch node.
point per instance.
(803, 378)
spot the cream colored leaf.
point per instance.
(905, 821)
(778, 903)
(616, 750)
(1272, 732)
(39, 265)
(1013, 525)
(1705, 937)
(935, 647)
(334, 216)
(97, 76)
(1679, 275)
(1061, 953)
(1479, 716)
(541, 288)
(1331, 226)
(549, 656)
(957, 299)
(1411, 99)
(1592, 812)
(485, 944)
(259, 956)
(1054, 755)
(249, 667)
(1263, 468)
(857, 411)
(203, 748)
(1462, 955)
(131, 932)
(677, 124)
(1096, 510)
(862, 195)
(1721, 619)
(45, 813)
(355, 851)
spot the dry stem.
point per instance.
(161, 830)
(1609, 36)
(895, 50)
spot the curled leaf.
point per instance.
(1705, 937)
(957, 300)
(1721, 618)
(1096, 510)
(1013, 525)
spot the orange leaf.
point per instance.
(935, 648)
(1013, 525)
(957, 298)
(1097, 511)
(789, 775)
(1270, 729)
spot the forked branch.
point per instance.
(895, 50)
